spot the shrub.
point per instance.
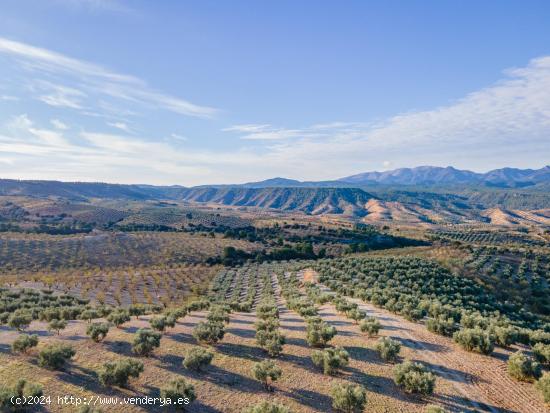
(136, 310)
(267, 310)
(22, 389)
(503, 336)
(541, 352)
(348, 398)
(441, 325)
(371, 326)
(57, 325)
(117, 373)
(543, 385)
(145, 341)
(521, 367)
(266, 371)
(24, 342)
(414, 378)
(388, 348)
(330, 359)
(209, 333)
(20, 319)
(356, 315)
(319, 333)
(539, 336)
(197, 358)
(274, 346)
(119, 317)
(475, 339)
(89, 315)
(178, 390)
(158, 323)
(266, 407)
(54, 356)
(97, 331)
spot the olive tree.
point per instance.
(348, 398)
(266, 372)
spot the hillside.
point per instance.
(346, 201)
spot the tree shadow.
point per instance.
(222, 377)
(171, 362)
(119, 347)
(450, 373)
(131, 329)
(241, 332)
(182, 338)
(238, 321)
(465, 405)
(319, 402)
(364, 354)
(421, 345)
(5, 348)
(241, 350)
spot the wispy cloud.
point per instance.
(58, 124)
(95, 79)
(507, 123)
(95, 5)
(120, 125)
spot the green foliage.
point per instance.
(119, 317)
(54, 356)
(475, 339)
(24, 342)
(266, 407)
(177, 390)
(158, 323)
(318, 332)
(356, 315)
(57, 325)
(266, 371)
(441, 325)
(89, 315)
(20, 319)
(543, 385)
(209, 333)
(522, 367)
(504, 336)
(118, 373)
(197, 358)
(371, 326)
(388, 348)
(23, 388)
(330, 359)
(136, 310)
(414, 378)
(541, 352)
(145, 341)
(97, 331)
(348, 398)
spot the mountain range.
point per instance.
(426, 176)
(424, 194)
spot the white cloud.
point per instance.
(58, 124)
(61, 96)
(179, 137)
(120, 125)
(9, 98)
(507, 123)
(95, 79)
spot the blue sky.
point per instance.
(196, 92)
